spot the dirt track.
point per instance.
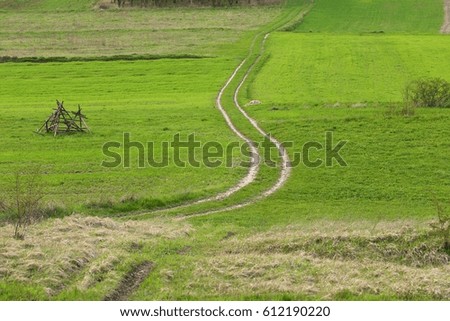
(130, 282)
(256, 157)
(285, 168)
(446, 26)
(285, 163)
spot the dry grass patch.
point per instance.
(53, 251)
(397, 259)
(403, 242)
(304, 274)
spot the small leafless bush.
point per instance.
(2, 206)
(407, 110)
(442, 225)
(23, 200)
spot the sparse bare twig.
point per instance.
(442, 226)
(23, 201)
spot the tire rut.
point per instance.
(254, 167)
(285, 164)
(130, 282)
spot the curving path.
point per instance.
(254, 168)
(285, 160)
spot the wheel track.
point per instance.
(254, 167)
(285, 163)
(254, 152)
(132, 280)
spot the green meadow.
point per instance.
(300, 68)
(361, 231)
(374, 16)
(144, 99)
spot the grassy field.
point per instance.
(157, 31)
(367, 16)
(349, 69)
(46, 5)
(331, 233)
(155, 98)
(142, 97)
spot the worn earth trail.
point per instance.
(138, 274)
(446, 26)
(256, 158)
(285, 168)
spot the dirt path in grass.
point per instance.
(256, 157)
(446, 26)
(254, 153)
(132, 280)
(252, 173)
(254, 167)
(284, 166)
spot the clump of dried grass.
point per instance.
(55, 250)
(325, 259)
(226, 274)
(397, 242)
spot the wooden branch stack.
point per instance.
(62, 122)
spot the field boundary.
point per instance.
(446, 26)
(132, 57)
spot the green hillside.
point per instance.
(330, 69)
(350, 216)
(365, 16)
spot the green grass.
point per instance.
(148, 99)
(299, 68)
(394, 164)
(369, 220)
(365, 16)
(310, 84)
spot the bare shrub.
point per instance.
(2, 206)
(407, 110)
(442, 226)
(427, 92)
(23, 200)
